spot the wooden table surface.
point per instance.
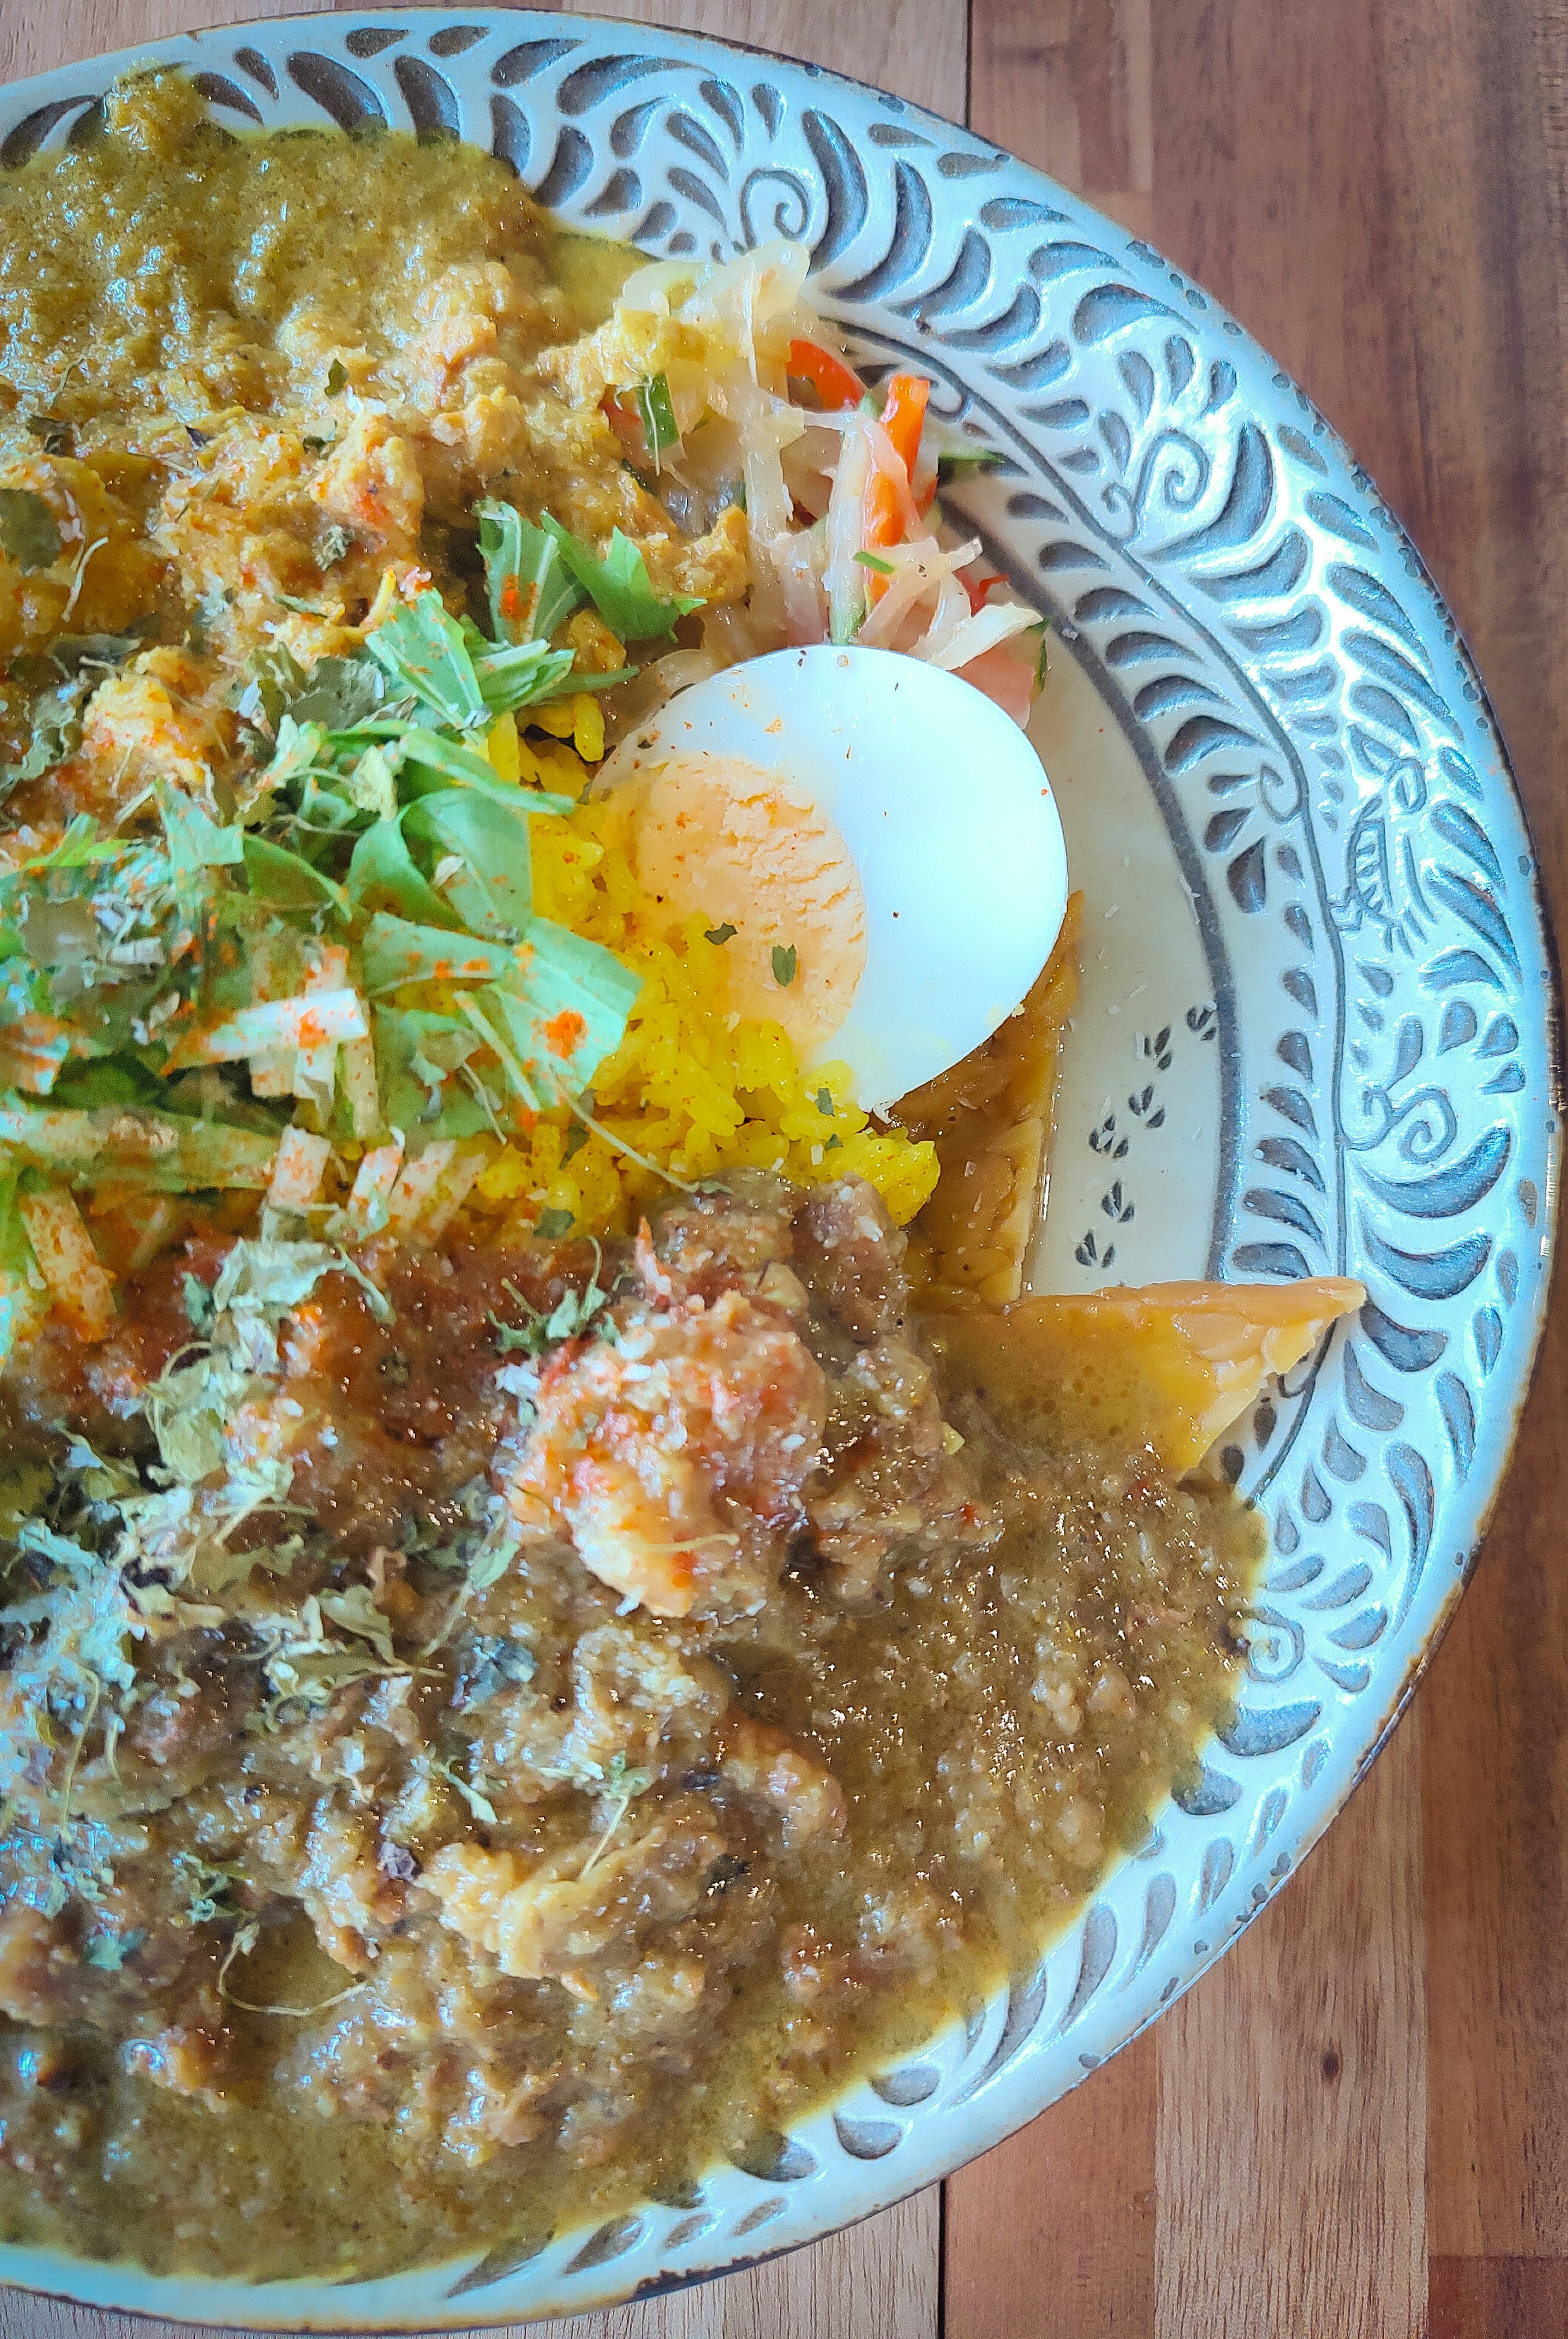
(1355, 2128)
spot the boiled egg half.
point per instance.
(882, 839)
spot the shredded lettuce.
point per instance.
(491, 890)
(421, 647)
(384, 875)
(619, 585)
(135, 1147)
(550, 1006)
(395, 951)
(369, 814)
(287, 881)
(529, 590)
(195, 841)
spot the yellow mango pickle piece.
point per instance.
(1171, 1365)
(989, 1118)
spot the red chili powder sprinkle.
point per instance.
(565, 1031)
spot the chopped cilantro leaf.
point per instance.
(338, 693)
(724, 933)
(27, 530)
(784, 963)
(337, 376)
(825, 1103)
(553, 1224)
(195, 841)
(477, 1800)
(620, 1778)
(525, 672)
(208, 1887)
(51, 431)
(569, 1318)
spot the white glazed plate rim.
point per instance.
(1383, 1024)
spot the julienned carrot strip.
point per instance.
(904, 418)
(904, 415)
(837, 387)
(879, 527)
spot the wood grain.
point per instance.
(918, 49)
(33, 39)
(1290, 2139)
(1065, 2210)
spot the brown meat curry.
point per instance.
(430, 1885)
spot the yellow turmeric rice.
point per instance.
(692, 1089)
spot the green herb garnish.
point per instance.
(337, 376)
(568, 1319)
(784, 963)
(962, 465)
(720, 935)
(656, 415)
(421, 647)
(109, 1951)
(28, 531)
(622, 1785)
(496, 1664)
(875, 560)
(619, 585)
(529, 590)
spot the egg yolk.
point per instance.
(717, 836)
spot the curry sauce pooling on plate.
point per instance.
(548, 1619)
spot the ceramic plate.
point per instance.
(1317, 1030)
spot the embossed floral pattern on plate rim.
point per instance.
(1380, 1028)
